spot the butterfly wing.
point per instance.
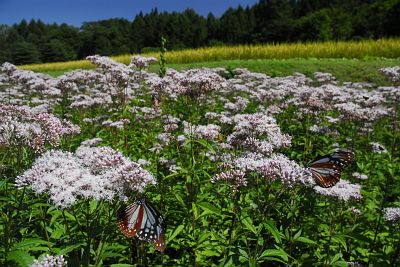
(130, 219)
(343, 157)
(156, 100)
(141, 219)
(327, 169)
(152, 227)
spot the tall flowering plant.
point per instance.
(84, 185)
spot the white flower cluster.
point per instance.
(258, 137)
(209, 131)
(21, 126)
(50, 261)
(393, 73)
(343, 190)
(323, 77)
(140, 62)
(378, 148)
(236, 178)
(392, 214)
(195, 82)
(90, 172)
(259, 132)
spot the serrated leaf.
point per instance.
(336, 257)
(29, 244)
(270, 226)
(340, 264)
(243, 253)
(340, 240)
(57, 233)
(176, 232)
(21, 257)
(273, 259)
(209, 253)
(209, 208)
(68, 249)
(275, 252)
(248, 223)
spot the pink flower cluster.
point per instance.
(392, 73)
(343, 190)
(209, 131)
(236, 178)
(139, 62)
(258, 132)
(195, 83)
(50, 261)
(391, 214)
(100, 173)
(21, 126)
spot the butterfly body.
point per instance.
(141, 219)
(326, 170)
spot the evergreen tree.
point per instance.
(266, 21)
(24, 53)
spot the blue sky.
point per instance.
(74, 12)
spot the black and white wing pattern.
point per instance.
(326, 170)
(141, 219)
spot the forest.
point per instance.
(268, 21)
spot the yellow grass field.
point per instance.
(387, 48)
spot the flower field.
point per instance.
(117, 166)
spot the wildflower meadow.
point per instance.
(118, 166)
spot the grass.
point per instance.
(388, 48)
(344, 69)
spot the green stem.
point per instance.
(86, 260)
(328, 245)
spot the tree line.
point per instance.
(267, 21)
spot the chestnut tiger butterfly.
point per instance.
(326, 170)
(141, 219)
(155, 99)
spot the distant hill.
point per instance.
(268, 21)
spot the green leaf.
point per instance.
(23, 258)
(93, 205)
(29, 244)
(297, 235)
(180, 200)
(204, 143)
(340, 264)
(248, 223)
(121, 265)
(305, 240)
(273, 259)
(176, 232)
(270, 226)
(336, 257)
(228, 262)
(243, 253)
(275, 252)
(68, 249)
(340, 239)
(58, 233)
(209, 253)
(209, 208)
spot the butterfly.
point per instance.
(155, 99)
(326, 170)
(141, 219)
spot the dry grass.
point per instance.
(388, 48)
